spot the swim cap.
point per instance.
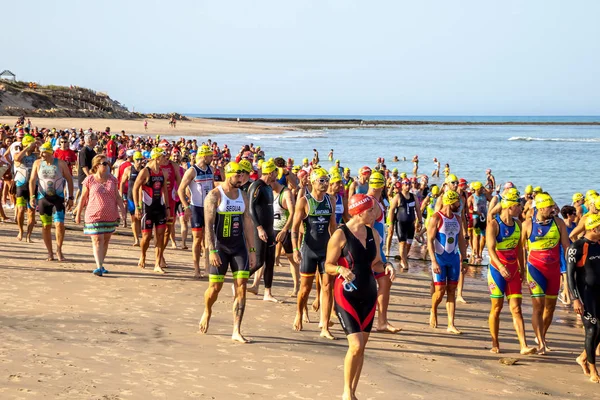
(435, 191)
(204, 151)
(377, 181)
(359, 203)
(295, 169)
(592, 221)
(405, 182)
(268, 167)
(403, 175)
(157, 152)
(333, 170)
(488, 171)
(305, 160)
(27, 140)
(260, 163)
(450, 197)
(395, 171)
(246, 166)
(346, 169)
(451, 178)
(47, 148)
(538, 189)
(364, 170)
(302, 173)
(510, 198)
(476, 185)
(577, 197)
(337, 161)
(164, 144)
(589, 194)
(138, 155)
(232, 169)
(543, 200)
(462, 182)
(597, 203)
(130, 153)
(528, 189)
(335, 177)
(318, 174)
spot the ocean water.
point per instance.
(561, 159)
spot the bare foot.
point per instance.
(316, 304)
(305, 317)
(237, 337)
(298, 323)
(173, 246)
(135, 244)
(453, 330)
(142, 263)
(163, 263)
(326, 334)
(542, 350)
(184, 247)
(60, 256)
(321, 324)
(526, 351)
(29, 239)
(294, 293)
(433, 320)
(387, 328)
(158, 269)
(252, 289)
(461, 300)
(270, 298)
(50, 257)
(197, 275)
(583, 363)
(495, 350)
(203, 326)
(20, 236)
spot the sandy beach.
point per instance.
(134, 335)
(194, 127)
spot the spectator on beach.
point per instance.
(86, 154)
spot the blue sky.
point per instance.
(391, 57)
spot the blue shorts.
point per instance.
(563, 262)
(130, 206)
(449, 273)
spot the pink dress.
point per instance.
(101, 212)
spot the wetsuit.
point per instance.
(356, 308)
(405, 218)
(543, 259)
(22, 175)
(446, 250)
(583, 272)
(51, 196)
(133, 174)
(246, 186)
(563, 261)
(361, 188)
(507, 241)
(347, 183)
(230, 241)
(479, 220)
(280, 218)
(200, 186)
(154, 213)
(261, 212)
(316, 235)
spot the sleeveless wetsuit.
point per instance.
(21, 178)
(230, 240)
(446, 250)
(200, 186)
(316, 235)
(543, 260)
(154, 213)
(583, 272)
(261, 212)
(280, 218)
(51, 196)
(355, 309)
(133, 174)
(479, 220)
(405, 218)
(362, 188)
(507, 241)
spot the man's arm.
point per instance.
(183, 185)
(352, 188)
(332, 222)
(525, 231)
(165, 191)
(249, 231)
(83, 162)
(564, 237)
(431, 233)
(66, 172)
(137, 187)
(334, 251)
(33, 179)
(299, 215)
(346, 217)
(177, 174)
(288, 202)
(578, 230)
(211, 202)
(490, 241)
(520, 252)
(124, 180)
(254, 197)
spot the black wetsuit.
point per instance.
(316, 235)
(405, 218)
(583, 273)
(261, 212)
(246, 186)
(356, 309)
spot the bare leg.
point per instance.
(537, 320)
(135, 228)
(352, 363)
(384, 286)
(549, 307)
(20, 217)
(494, 322)
(317, 302)
(98, 249)
(436, 299)
(30, 223)
(359, 371)
(451, 309)
(459, 289)
(210, 296)
(327, 300)
(295, 271)
(517, 315)
(403, 255)
(184, 232)
(305, 287)
(256, 283)
(160, 247)
(47, 236)
(239, 306)
(197, 238)
(107, 237)
(145, 243)
(60, 237)
(388, 242)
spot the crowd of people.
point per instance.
(335, 229)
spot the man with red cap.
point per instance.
(361, 184)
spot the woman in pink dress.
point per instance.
(102, 202)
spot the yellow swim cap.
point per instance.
(450, 197)
(377, 181)
(335, 177)
(157, 152)
(510, 198)
(47, 148)
(538, 189)
(318, 174)
(395, 171)
(305, 160)
(346, 169)
(476, 185)
(451, 178)
(592, 221)
(589, 194)
(204, 151)
(403, 175)
(246, 166)
(27, 140)
(543, 200)
(577, 197)
(528, 189)
(233, 169)
(333, 170)
(138, 156)
(597, 203)
(435, 191)
(295, 169)
(268, 167)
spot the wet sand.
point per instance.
(132, 334)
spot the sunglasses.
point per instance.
(239, 171)
(454, 182)
(63, 142)
(323, 180)
(137, 159)
(105, 163)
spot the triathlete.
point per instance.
(230, 242)
(49, 175)
(151, 205)
(173, 181)
(446, 246)
(353, 258)
(303, 184)
(247, 169)
(478, 202)
(336, 190)
(128, 178)
(405, 215)
(578, 203)
(361, 185)
(583, 271)
(200, 180)
(543, 234)
(593, 206)
(569, 215)
(490, 181)
(315, 211)
(527, 203)
(260, 196)
(348, 179)
(23, 163)
(507, 268)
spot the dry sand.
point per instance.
(194, 127)
(132, 334)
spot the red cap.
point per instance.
(359, 203)
(164, 144)
(462, 182)
(302, 173)
(365, 170)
